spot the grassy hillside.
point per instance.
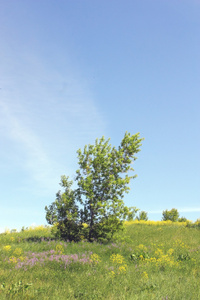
(148, 261)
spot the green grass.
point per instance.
(146, 262)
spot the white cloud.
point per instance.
(185, 209)
(36, 160)
(189, 209)
(48, 114)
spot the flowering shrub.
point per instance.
(156, 223)
(37, 228)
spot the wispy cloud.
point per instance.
(181, 210)
(48, 114)
(36, 160)
(189, 209)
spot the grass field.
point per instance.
(150, 260)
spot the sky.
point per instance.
(73, 71)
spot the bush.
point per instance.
(170, 215)
(142, 216)
(182, 219)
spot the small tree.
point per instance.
(182, 219)
(64, 212)
(171, 215)
(132, 213)
(99, 193)
(142, 216)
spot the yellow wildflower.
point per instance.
(22, 258)
(95, 258)
(7, 248)
(59, 249)
(122, 269)
(18, 252)
(142, 247)
(112, 273)
(13, 260)
(117, 258)
(158, 252)
(170, 251)
(145, 276)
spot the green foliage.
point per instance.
(102, 180)
(65, 213)
(196, 224)
(131, 213)
(15, 288)
(142, 216)
(182, 219)
(171, 215)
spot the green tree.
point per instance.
(142, 216)
(171, 215)
(64, 212)
(182, 219)
(132, 213)
(102, 180)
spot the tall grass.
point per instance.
(147, 261)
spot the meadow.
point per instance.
(149, 260)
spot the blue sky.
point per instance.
(72, 71)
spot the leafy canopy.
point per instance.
(97, 202)
(142, 216)
(171, 215)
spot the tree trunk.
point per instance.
(91, 224)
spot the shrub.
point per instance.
(171, 215)
(142, 216)
(182, 219)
